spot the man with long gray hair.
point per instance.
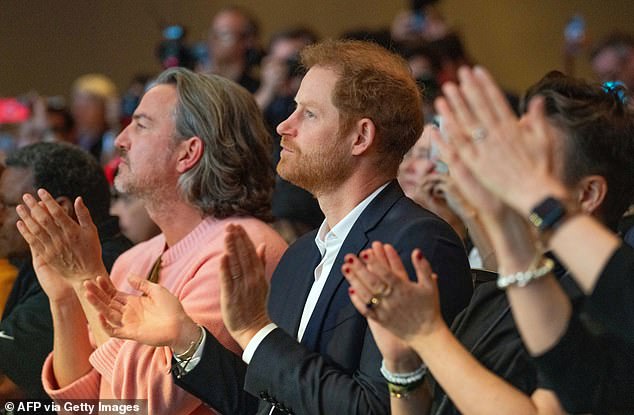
(197, 154)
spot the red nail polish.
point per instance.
(350, 260)
(351, 290)
(365, 256)
(419, 255)
(346, 270)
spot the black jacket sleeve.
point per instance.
(590, 373)
(26, 342)
(286, 374)
(218, 380)
(611, 302)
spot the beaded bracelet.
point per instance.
(522, 278)
(403, 379)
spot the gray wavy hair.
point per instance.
(234, 176)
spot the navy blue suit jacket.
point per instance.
(335, 370)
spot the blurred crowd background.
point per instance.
(46, 44)
(74, 71)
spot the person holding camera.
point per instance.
(425, 179)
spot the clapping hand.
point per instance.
(512, 158)
(243, 288)
(155, 318)
(64, 251)
(382, 291)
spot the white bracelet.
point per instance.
(403, 378)
(522, 278)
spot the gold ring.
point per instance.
(374, 301)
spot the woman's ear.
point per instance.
(592, 191)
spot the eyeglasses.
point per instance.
(420, 153)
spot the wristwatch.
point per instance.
(548, 214)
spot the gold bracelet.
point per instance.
(403, 391)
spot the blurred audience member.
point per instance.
(59, 119)
(281, 73)
(613, 59)
(49, 120)
(134, 220)
(8, 272)
(423, 22)
(296, 211)
(26, 325)
(452, 54)
(95, 110)
(425, 179)
(425, 67)
(35, 128)
(132, 96)
(232, 39)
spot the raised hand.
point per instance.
(243, 288)
(155, 318)
(431, 195)
(512, 158)
(488, 149)
(61, 247)
(382, 291)
(464, 189)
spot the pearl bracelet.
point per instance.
(403, 379)
(522, 278)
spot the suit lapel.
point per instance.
(297, 291)
(355, 241)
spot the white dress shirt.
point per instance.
(329, 243)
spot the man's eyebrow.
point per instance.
(307, 103)
(142, 115)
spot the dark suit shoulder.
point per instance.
(305, 241)
(408, 226)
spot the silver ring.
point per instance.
(235, 276)
(479, 133)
